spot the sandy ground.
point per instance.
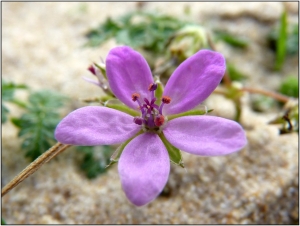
(42, 47)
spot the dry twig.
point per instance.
(35, 165)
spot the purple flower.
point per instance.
(144, 164)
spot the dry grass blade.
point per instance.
(34, 166)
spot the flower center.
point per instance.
(151, 117)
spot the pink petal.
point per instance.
(128, 72)
(205, 135)
(144, 168)
(193, 81)
(93, 125)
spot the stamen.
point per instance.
(138, 120)
(166, 99)
(152, 87)
(159, 120)
(135, 96)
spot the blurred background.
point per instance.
(47, 48)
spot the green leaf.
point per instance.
(232, 40)
(290, 87)
(19, 103)
(105, 31)
(292, 45)
(17, 122)
(94, 160)
(281, 42)
(3, 221)
(4, 112)
(234, 73)
(292, 40)
(174, 153)
(8, 90)
(38, 123)
(149, 31)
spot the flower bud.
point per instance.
(187, 41)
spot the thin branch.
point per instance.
(277, 96)
(226, 79)
(34, 166)
(220, 91)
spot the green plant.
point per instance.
(149, 31)
(94, 161)
(38, 123)
(290, 87)
(8, 91)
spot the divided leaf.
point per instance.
(149, 31)
(8, 90)
(94, 159)
(37, 125)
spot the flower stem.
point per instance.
(34, 166)
(274, 95)
(238, 110)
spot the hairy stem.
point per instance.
(34, 166)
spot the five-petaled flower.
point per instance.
(144, 164)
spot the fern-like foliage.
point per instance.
(149, 31)
(8, 91)
(37, 125)
(95, 159)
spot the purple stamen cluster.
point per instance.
(151, 114)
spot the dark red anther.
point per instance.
(166, 99)
(135, 96)
(138, 120)
(92, 69)
(159, 120)
(152, 87)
